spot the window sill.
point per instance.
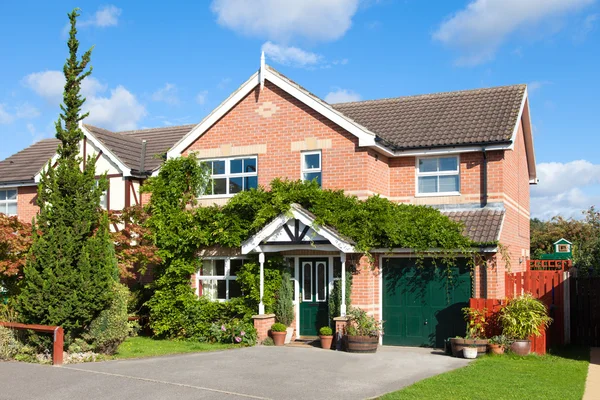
(440, 194)
(216, 196)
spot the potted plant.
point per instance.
(470, 351)
(498, 344)
(278, 332)
(284, 306)
(521, 318)
(326, 335)
(363, 332)
(476, 324)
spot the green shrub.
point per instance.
(9, 344)
(249, 279)
(278, 327)
(268, 342)
(26, 354)
(361, 324)
(325, 331)
(524, 316)
(237, 332)
(335, 300)
(284, 306)
(111, 327)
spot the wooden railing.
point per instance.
(56, 331)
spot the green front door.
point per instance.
(422, 304)
(314, 311)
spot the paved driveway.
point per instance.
(252, 373)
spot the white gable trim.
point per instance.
(296, 212)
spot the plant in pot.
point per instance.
(326, 335)
(521, 318)
(363, 332)
(278, 332)
(498, 344)
(470, 351)
(284, 306)
(476, 324)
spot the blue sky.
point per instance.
(172, 63)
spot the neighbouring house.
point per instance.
(467, 153)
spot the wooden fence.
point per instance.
(549, 265)
(56, 331)
(585, 310)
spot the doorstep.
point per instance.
(305, 341)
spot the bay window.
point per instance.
(438, 176)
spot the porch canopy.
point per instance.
(297, 230)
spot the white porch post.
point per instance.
(343, 305)
(261, 260)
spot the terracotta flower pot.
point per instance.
(278, 338)
(362, 344)
(496, 348)
(326, 342)
(521, 347)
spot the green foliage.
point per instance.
(71, 268)
(9, 344)
(524, 316)
(234, 331)
(362, 324)
(284, 306)
(278, 327)
(111, 327)
(476, 322)
(502, 340)
(268, 342)
(325, 331)
(26, 354)
(335, 300)
(249, 279)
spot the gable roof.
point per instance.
(469, 117)
(22, 167)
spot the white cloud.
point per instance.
(341, 96)
(588, 25)
(22, 111)
(478, 30)
(166, 94)
(561, 190)
(118, 111)
(317, 20)
(5, 116)
(290, 55)
(536, 85)
(201, 97)
(105, 16)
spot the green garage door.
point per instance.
(421, 305)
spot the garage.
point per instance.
(422, 304)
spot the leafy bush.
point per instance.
(284, 306)
(26, 354)
(249, 279)
(501, 340)
(234, 332)
(361, 324)
(325, 331)
(278, 327)
(476, 322)
(9, 344)
(524, 316)
(111, 327)
(268, 342)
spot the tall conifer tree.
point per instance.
(71, 268)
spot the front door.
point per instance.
(314, 310)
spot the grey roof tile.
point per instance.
(23, 166)
(481, 226)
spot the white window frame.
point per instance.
(227, 175)
(419, 174)
(304, 170)
(227, 277)
(323, 284)
(4, 203)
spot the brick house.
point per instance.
(467, 153)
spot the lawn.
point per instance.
(554, 376)
(140, 346)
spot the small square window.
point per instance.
(438, 175)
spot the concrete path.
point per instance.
(592, 383)
(251, 373)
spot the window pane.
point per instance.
(235, 185)
(250, 182)
(2, 194)
(209, 289)
(235, 266)
(313, 175)
(312, 161)
(250, 165)
(218, 167)
(208, 268)
(219, 267)
(449, 183)
(11, 195)
(449, 164)
(428, 184)
(307, 282)
(220, 186)
(337, 267)
(222, 290)
(234, 289)
(321, 281)
(428, 164)
(12, 209)
(235, 166)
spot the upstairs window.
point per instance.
(438, 175)
(232, 175)
(311, 166)
(8, 201)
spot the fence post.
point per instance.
(57, 349)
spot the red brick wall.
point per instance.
(27, 207)
(365, 286)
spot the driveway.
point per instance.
(252, 373)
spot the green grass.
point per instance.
(140, 346)
(554, 376)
